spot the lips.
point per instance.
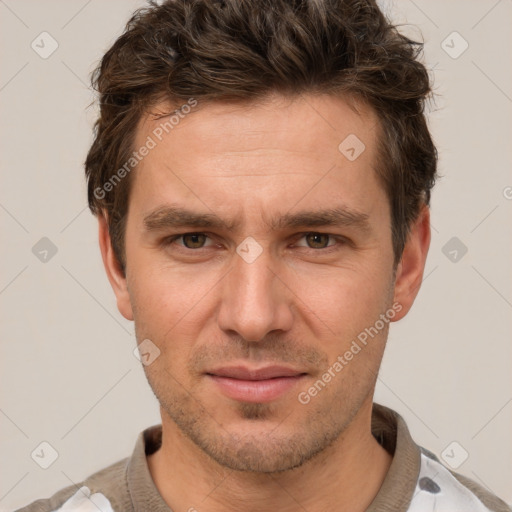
(244, 373)
(255, 385)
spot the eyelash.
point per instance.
(340, 241)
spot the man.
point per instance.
(261, 173)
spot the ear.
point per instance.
(409, 272)
(115, 274)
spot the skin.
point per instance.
(300, 303)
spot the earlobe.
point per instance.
(409, 273)
(115, 273)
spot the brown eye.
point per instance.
(194, 240)
(317, 240)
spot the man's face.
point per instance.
(295, 295)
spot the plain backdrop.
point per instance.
(68, 373)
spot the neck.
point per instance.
(346, 476)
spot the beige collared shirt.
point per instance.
(416, 480)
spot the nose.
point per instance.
(255, 299)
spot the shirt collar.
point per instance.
(397, 490)
(388, 427)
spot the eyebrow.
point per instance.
(178, 217)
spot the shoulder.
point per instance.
(106, 490)
(451, 491)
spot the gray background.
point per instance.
(68, 373)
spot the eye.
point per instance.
(190, 240)
(197, 240)
(317, 240)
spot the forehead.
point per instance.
(318, 122)
(247, 157)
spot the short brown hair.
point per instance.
(245, 49)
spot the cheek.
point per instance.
(342, 301)
(170, 303)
